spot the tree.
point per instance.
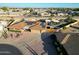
(31, 10)
(50, 18)
(76, 9)
(50, 9)
(34, 13)
(69, 19)
(64, 27)
(13, 10)
(25, 8)
(4, 8)
(52, 15)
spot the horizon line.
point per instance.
(40, 5)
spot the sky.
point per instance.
(41, 5)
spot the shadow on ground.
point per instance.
(30, 49)
(51, 45)
(6, 49)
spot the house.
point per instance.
(30, 19)
(73, 12)
(45, 14)
(57, 21)
(62, 14)
(2, 13)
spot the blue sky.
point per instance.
(41, 5)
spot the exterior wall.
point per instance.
(35, 31)
(45, 14)
(62, 14)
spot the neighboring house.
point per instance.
(30, 19)
(2, 13)
(28, 11)
(40, 9)
(45, 14)
(15, 13)
(48, 21)
(73, 12)
(62, 14)
(57, 21)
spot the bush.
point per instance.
(14, 30)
